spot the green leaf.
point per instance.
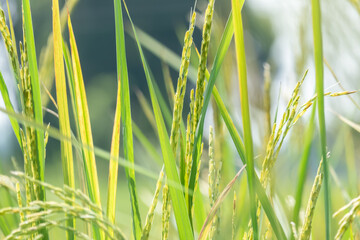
(126, 116)
(113, 166)
(83, 119)
(9, 106)
(319, 70)
(64, 122)
(244, 100)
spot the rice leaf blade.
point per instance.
(241, 64)
(9, 106)
(84, 127)
(126, 116)
(113, 165)
(12, 32)
(319, 72)
(64, 121)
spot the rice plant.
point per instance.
(196, 171)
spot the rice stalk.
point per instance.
(276, 139)
(62, 193)
(315, 191)
(29, 192)
(166, 207)
(214, 182)
(76, 205)
(188, 140)
(198, 101)
(11, 26)
(19, 201)
(35, 214)
(338, 81)
(346, 222)
(181, 85)
(10, 45)
(150, 215)
(279, 133)
(193, 155)
(200, 83)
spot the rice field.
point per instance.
(228, 152)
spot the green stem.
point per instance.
(319, 69)
(241, 63)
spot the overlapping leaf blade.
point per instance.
(126, 116)
(319, 71)
(83, 119)
(64, 122)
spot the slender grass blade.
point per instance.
(64, 122)
(126, 115)
(113, 166)
(9, 106)
(84, 127)
(319, 71)
(241, 63)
